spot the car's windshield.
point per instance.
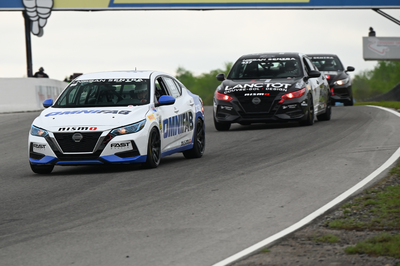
(327, 63)
(266, 68)
(105, 92)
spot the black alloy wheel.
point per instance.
(199, 142)
(153, 149)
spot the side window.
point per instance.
(172, 87)
(160, 89)
(307, 65)
(312, 66)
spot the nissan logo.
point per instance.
(77, 137)
(256, 100)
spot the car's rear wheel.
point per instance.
(153, 149)
(199, 142)
(222, 126)
(310, 113)
(42, 169)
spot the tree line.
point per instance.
(368, 83)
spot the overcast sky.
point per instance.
(198, 41)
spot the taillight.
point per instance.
(223, 97)
(328, 76)
(291, 95)
(332, 92)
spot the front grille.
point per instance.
(86, 144)
(262, 107)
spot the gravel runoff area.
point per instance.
(301, 248)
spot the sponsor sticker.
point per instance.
(151, 117)
(79, 112)
(38, 147)
(178, 124)
(121, 145)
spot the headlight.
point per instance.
(129, 128)
(35, 131)
(341, 82)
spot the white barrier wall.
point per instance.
(27, 94)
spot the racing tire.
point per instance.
(153, 149)
(310, 114)
(349, 103)
(327, 115)
(199, 142)
(42, 169)
(222, 126)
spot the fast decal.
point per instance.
(151, 117)
(77, 129)
(257, 86)
(38, 147)
(77, 112)
(124, 145)
(178, 124)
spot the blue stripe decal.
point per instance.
(116, 159)
(44, 160)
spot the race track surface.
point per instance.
(252, 182)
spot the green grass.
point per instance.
(377, 208)
(328, 238)
(395, 105)
(381, 245)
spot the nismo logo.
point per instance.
(77, 128)
(178, 124)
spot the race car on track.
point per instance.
(338, 78)
(117, 117)
(271, 87)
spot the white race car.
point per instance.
(117, 118)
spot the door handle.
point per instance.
(176, 110)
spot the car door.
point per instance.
(315, 84)
(323, 88)
(177, 119)
(185, 113)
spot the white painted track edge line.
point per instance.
(395, 156)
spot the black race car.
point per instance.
(338, 78)
(271, 87)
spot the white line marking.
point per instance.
(318, 212)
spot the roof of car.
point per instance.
(321, 55)
(120, 74)
(263, 55)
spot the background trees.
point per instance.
(370, 83)
(366, 84)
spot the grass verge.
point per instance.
(376, 209)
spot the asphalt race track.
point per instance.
(252, 182)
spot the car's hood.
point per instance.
(260, 85)
(102, 118)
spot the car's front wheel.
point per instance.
(327, 115)
(309, 121)
(222, 126)
(42, 169)
(153, 149)
(199, 142)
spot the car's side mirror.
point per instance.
(165, 100)
(221, 77)
(47, 103)
(350, 69)
(313, 74)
